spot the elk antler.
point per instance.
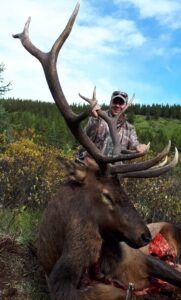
(48, 61)
(146, 168)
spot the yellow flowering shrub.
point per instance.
(29, 173)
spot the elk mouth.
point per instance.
(139, 244)
(134, 242)
(142, 241)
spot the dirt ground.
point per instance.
(21, 277)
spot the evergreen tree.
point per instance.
(3, 88)
(4, 119)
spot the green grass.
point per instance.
(168, 125)
(159, 131)
(20, 223)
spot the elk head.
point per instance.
(102, 200)
(109, 166)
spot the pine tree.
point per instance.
(3, 88)
(4, 119)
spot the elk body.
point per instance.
(91, 211)
(86, 210)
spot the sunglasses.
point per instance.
(118, 101)
(117, 93)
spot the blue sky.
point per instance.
(128, 45)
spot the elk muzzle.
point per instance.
(134, 230)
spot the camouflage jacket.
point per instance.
(98, 131)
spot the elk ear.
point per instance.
(72, 170)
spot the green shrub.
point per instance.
(157, 199)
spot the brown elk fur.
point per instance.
(87, 209)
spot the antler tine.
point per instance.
(85, 98)
(125, 108)
(25, 40)
(91, 101)
(48, 61)
(64, 35)
(94, 94)
(161, 164)
(120, 168)
(153, 172)
(25, 31)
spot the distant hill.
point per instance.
(42, 120)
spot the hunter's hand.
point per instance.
(94, 111)
(141, 148)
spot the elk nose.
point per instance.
(146, 237)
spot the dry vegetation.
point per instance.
(20, 277)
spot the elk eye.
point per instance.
(107, 199)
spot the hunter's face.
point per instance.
(116, 106)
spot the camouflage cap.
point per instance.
(119, 95)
